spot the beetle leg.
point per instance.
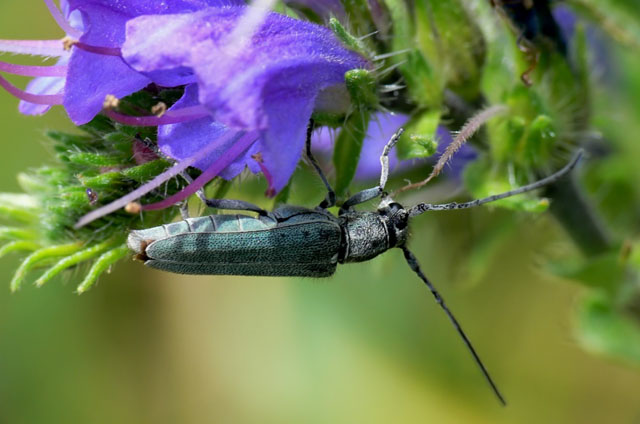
(232, 204)
(229, 204)
(184, 209)
(372, 193)
(236, 205)
(330, 199)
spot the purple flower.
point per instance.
(381, 128)
(93, 69)
(180, 141)
(254, 92)
(96, 68)
(46, 89)
(266, 84)
(600, 52)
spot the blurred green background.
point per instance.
(368, 345)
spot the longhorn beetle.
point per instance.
(301, 242)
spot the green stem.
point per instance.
(76, 258)
(18, 245)
(11, 233)
(41, 255)
(576, 215)
(101, 265)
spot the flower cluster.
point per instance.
(216, 86)
(250, 78)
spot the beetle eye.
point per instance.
(401, 224)
(400, 219)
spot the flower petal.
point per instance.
(380, 131)
(292, 55)
(269, 84)
(41, 85)
(133, 8)
(283, 141)
(180, 141)
(46, 86)
(93, 76)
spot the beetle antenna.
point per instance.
(372, 193)
(413, 263)
(330, 199)
(423, 207)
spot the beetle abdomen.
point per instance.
(139, 239)
(255, 247)
(318, 270)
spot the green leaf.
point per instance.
(18, 207)
(101, 265)
(604, 330)
(452, 43)
(102, 181)
(606, 271)
(344, 36)
(19, 246)
(95, 160)
(283, 197)
(146, 171)
(74, 259)
(419, 137)
(118, 138)
(425, 83)
(540, 140)
(362, 87)
(13, 233)
(483, 180)
(618, 18)
(346, 153)
(360, 19)
(46, 254)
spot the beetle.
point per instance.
(299, 241)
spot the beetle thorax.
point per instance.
(368, 234)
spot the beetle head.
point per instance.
(397, 219)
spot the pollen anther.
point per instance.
(110, 102)
(133, 208)
(68, 43)
(159, 109)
